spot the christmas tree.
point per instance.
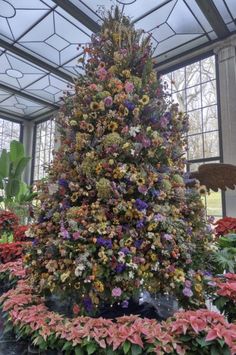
(115, 215)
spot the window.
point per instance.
(8, 131)
(44, 145)
(194, 88)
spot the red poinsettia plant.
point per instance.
(10, 251)
(8, 223)
(19, 233)
(225, 226)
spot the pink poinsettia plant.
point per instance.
(201, 331)
(225, 298)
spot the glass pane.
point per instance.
(210, 118)
(193, 74)
(179, 97)
(211, 144)
(214, 204)
(188, 25)
(195, 147)
(209, 93)
(45, 133)
(195, 122)
(178, 79)
(8, 132)
(194, 98)
(208, 69)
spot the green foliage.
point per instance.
(15, 192)
(225, 260)
(12, 165)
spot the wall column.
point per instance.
(226, 56)
(28, 136)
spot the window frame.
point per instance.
(36, 124)
(170, 68)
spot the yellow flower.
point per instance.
(144, 100)
(98, 168)
(153, 257)
(74, 196)
(65, 276)
(152, 226)
(179, 275)
(198, 288)
(94, 106)
(126, 73)
(73, 123)
(99, 286)
(113, 126)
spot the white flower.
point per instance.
(52, 188)
(133, 131)
(79, 269)
(131, 274)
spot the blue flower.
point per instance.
(130, 105)
(140, 204)
(63, 182)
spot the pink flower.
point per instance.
(129, 87)
(116, 292)
(102, 73)
(108, 101)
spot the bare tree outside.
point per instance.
(193, 87)
(8, 131)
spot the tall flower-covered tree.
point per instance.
(115, 215)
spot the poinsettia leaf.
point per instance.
(220, 302)
(126, 347)
(91, 348)
(215, 350)
(136, 349)
(202, 342)
(67, 345)
(78, 351)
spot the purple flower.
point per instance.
(187, 292)
(63, 182)
(143, 189)
(88, 305)
(140, 224)
(140, 204)
(164, 122)
(120, 268)
(104, 242)
(138, 243)
(188, 283)
(108, 101)
(130, 105)
(64, 233)
(211, 219)
(159, 217)
(116, 292)
(153, 119)
(125, 250)
(125, 304)
(167, 236)
(154, 192)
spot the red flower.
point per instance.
(8, 221)
(225, 225)
(19, 233)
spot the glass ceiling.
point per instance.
(39, 40)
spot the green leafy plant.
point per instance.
(225, 260)
(15, 192)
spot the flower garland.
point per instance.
(202, 331)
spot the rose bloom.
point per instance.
(129, 87)
(108, 101)
(116, 292)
